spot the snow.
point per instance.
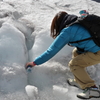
(25, 34)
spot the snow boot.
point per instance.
(89, 93)
(72, 82)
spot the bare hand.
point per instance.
(30, 64)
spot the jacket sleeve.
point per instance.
(61, 40)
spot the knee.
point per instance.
(73, 65)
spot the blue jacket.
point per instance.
(73, 33)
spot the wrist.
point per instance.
(34, 64)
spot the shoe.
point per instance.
(72, 82)
(89, 93)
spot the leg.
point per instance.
(74, 54)
(78, 65)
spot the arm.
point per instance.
(54, 48)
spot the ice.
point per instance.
(32, 92)
(25, 34)
(60, 92)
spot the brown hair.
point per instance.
(56, 23)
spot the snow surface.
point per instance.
(24, 34)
